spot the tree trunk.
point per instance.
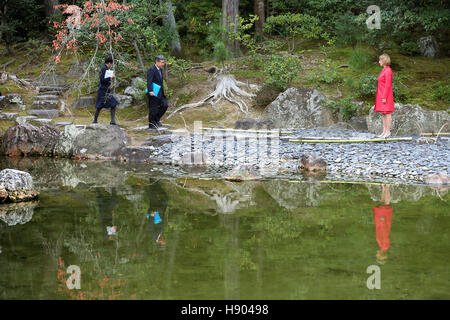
(175, 45)
(4, 24)
(230, 12)
(49, 7)
(259, 11)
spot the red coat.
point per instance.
(382, 216)
(384, 91)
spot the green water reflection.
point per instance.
(275, 239)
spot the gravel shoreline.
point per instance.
(403, 162)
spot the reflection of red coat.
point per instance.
(384, 91)
(382, 216)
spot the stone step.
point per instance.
(56, 93)
(24, 119)
(46, 97)
(53, 88)
(8, 116)
(45, 104)
(47, 113)
(40, 121)
(63, 123)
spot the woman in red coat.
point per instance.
(384, 101)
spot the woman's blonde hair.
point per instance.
(386, 59)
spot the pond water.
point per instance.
(212, 239)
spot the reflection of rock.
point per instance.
(437, 179)
(242, 173)
(400, 193)
(17, 213)
(294, 195)
(16, 186)
(51, 173)
(312, 163)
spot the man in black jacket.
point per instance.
(157, 103)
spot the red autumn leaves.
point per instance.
(100, 19)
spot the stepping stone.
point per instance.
(8, 116)
(41, 121)
(24, 119)
(48, 114)
(63, 123)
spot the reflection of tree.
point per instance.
(228, 197)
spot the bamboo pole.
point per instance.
(435, 134)
(249, 131)
(350, 141)
(345, 182)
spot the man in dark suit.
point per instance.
(157, 104)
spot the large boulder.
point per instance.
(248, 123)
(131, 91)
(158, 140)
(16, 186)
(27, 140)
(299, 108)
(12, 101)
(97, 139)
(134, 153)
(409, 119)
(428, 47)
(138, 81)
(124, 101)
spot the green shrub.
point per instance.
(281, 71)
(367, 88)
(344, 107)
(441, 91)
(221, 53)
(326, 73)
(409, 48)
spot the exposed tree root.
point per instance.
(226, 88)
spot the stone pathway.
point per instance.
(47, 104)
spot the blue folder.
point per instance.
(155, 88)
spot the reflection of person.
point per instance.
(382, 216)
(157, 104)
(158, 201)
(106, 204)
(104, 97)
(384, 101)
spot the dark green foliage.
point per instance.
(367, 88)
(281, 70)
(441, 91)
(344, 107)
